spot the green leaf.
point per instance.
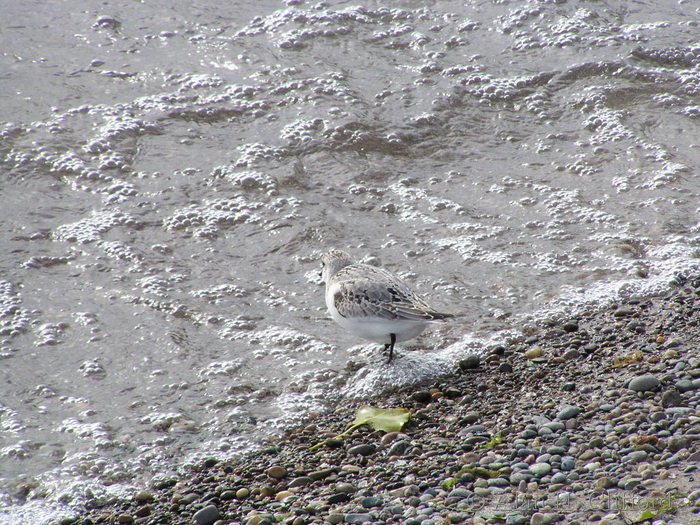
(646, 515)
(449, 483)
(384, 419)
(494, 442)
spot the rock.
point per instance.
(516, 519)
(685, 385)
(460, 494)
(335, 518)
(277, 472)
(568, 413)
(347, 488)
(505, 367)
(623, 311)
(364, 449)
(189, 498)
(676, 443)
(320, 474)
(357, 518)
(143, 496)
(340, 497)
(452, 392)
(567, 463)
(570, 326)
(207, 516)
(541, 469)
(644, 383)
(371, 501)
(422, 396)
(300, 482)
(283, 495)
(470, 417)
(228, 495)
(671, 398)
(399, 448)
(388, 438)
(470, 362)
(125, 519)
(604, 483)
(539, 518)
(242, 493)
(534, 352)
(570, 355)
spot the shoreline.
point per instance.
(592, 419)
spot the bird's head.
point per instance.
(333, 261)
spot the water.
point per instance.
(171, 172)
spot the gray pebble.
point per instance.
(568, 463)
(685, 385)
(470, 362)
(207, 515)
(347, 488)
(568, 413)
(671, 398)
(300, 482)
(644, 383)
(364, 449)
(422, 396)
(540, 469)
(357, 518)
(460, 494)
(371, 501)
(516, 519)
(399, 448)
(559, 477)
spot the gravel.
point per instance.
(518, 435)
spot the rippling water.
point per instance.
(172, 170)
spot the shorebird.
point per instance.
(373, 303)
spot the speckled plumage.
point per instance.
(373, 303)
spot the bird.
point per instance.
(373, 303)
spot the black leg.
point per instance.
(390, 346)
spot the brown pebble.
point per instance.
(276, 472)
(534, 352)
(143, 496)
(125, 519)
(281, 496)
(389, 437)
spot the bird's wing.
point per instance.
(382, 295)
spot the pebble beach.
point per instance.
(588, 419)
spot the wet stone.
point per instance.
(623, 311)
(684, 385)
(505, 367)
(357, 518)
(364, 449)
(568, 413)
(276, 472)
(470, 362)
(644, 383)
(207, 516)
(399, 448)
(321, 474)
(371, 501)
(422, 396)
(671, 398)
(143, 496)
(300, 482)
(570, 326)
(339, 497)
